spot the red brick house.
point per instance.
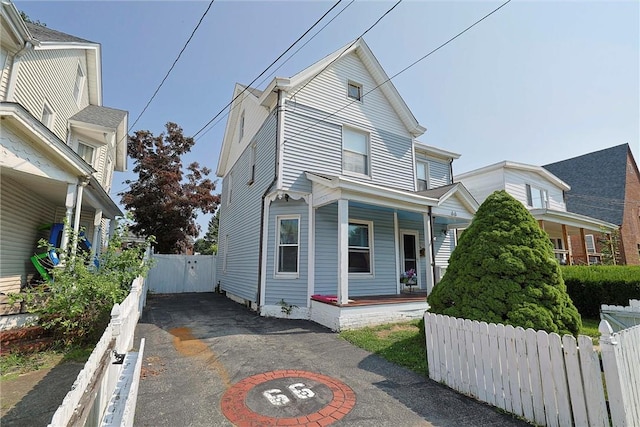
(605, 184)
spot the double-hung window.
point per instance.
(86, 152)
(537, 197)
(355, 151)
(360, 247)
(422, 175)
(288, 228)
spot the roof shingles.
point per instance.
(102, 116)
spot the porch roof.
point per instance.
(573, 220)
(330, 188)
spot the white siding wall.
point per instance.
(51, 75)
(482, 185)
(517, 180)
(5, 69)
(240, 220)
(22, 214)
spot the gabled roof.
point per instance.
(549, 176)
(597, 182)
(46, 34)
(373, 66)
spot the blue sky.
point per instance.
(536, 82)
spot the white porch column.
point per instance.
(76, 218)
(343, 251)
(311, 250)
(428, 241)
(265, 238)
(68, 204)
(396, 242)
(97, 221)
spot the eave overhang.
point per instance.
(573, 220)
(100, 199)
(520, 167)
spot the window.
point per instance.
(226, 253)
(355, 151)
(360, 250)
(422, 175)
(86, 152)
(537, 197)
(77, 87)
(47, 115)
(288, 244)
(591, 243)
(241, 127)
(354, 91)
(252, 165)
(229, 188)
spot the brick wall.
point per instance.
(630, 230)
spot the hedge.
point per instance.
(591, 286)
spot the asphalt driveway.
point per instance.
(208, 360)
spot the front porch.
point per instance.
(367, 310)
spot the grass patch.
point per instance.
(15, 364)
(399, 343)
(590, 329)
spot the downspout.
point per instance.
(267, 190)
(451, 170)
(15, 67)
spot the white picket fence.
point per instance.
(621, 317)
(545, 378)
(91, 393)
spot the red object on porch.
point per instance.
(325, 298)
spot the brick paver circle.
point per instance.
(287, 398)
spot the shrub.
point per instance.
(591, 286)
(504, 271)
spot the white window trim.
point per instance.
(372, 269)
(589, 238)
(529, 189)
(95, 151)
(52, 115)
(252, 164)
(241, 127)
(348, 172)
(360, 86)
(427, 172)
(226, 253)
(276, 255)
(229, 188)
(81, 77)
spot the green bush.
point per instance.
(594, 285)
(504, 271)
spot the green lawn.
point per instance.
(399, 343)
(15, 364)
(402, 343)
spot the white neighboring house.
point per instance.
(59, 146)
(328, 196)
(543, 194)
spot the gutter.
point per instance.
(279, 129)
(15, 68)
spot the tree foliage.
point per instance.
(208, 245)
(504, 271)
(164, 200)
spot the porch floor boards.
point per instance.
(404, 297)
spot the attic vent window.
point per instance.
(354, 91)
(77, 87)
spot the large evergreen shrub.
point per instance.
(504, 271)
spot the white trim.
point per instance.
(229, 188)
(427, 172)
(416, 234)
(372, 270)
(81, 78)
(311, 252)
(428, 240)
(280, 146)
(51, 115)
(367, 135)
(276, 255)
(360, 87)
(517, 166)
(396, 241)
(226, 253)
(435, 151)
(343, 251)
(265, 239)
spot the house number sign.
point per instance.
(276, 398)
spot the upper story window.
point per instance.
(360, 247)
(422, 175)
(537, 197)
(355, 151)
(252, 164)
(86, 152)
(229, 188)
(79, 84)
(47, 115)
(241, 127)
(288, 244)
(354, 91)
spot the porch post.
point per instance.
(428, 251)
(76, 219)
(311, 251)
(343, 251)
(565, 243)
(583, 242)
(97, 220)
(68, 204)
(396, 242)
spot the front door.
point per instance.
(409, 253)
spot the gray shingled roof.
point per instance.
(102, 116)
(45, 34)
(437, 192)
(597, 182)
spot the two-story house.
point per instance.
(544, 195)
(59, 146)
(605, 184)
(327, 196)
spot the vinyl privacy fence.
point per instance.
(545, 378)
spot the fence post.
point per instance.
(608, 343)
(116, 322)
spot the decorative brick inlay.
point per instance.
(234, 401)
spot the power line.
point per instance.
(172, 65)
(266, 69)
(406, 68)
(280, 66)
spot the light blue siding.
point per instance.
(240, 220)
(294, 290)
(439, 173)
(385, 278)
(314, 144)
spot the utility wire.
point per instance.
(265, 70)
(279, 66)
(172, 65)
(406, 68)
